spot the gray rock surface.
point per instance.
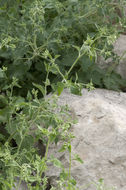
(100, 139)
(22, 186)
(120, 50)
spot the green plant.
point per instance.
(101, 186)
(34, 120)
(27, 123)
(57, 26)
(49, 45)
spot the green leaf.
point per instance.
(5, 182)
(40, 87)
(101, 180)
(69, 148)
(2, 74)
(113, 81)
(43, 130)
(4, 114)
(60, 87)
(39, 66)
(53, 69)
(64, 175)
(27, 142)
(56, 163)
(85, 63)
(47, 82)
(73, 181)
(18, 100)
(3, 101)
(75, 89)
(73, 1)
(77, 158)
(97, 78)
(18, 71)
(77, 48)
(29, 96)
(63, 148)
(2, 137)
(90, 86)
(69, 57)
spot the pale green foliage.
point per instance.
(49, 45)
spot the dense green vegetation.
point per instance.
(46, 46)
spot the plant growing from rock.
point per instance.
(30, 126)
(48, 45)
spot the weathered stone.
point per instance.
(120, 50)
(100, 139)
(22, 185)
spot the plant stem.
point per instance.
(11, 136)
(77, 59)
(61, 74)
(70, 160)
(47, 147)
(46, 84)
(19, 146)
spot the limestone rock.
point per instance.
(100, 139)
(22, 186)
(120, 50)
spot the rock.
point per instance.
(22, 186)
(119, 49)
(100, 139)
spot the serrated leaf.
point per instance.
(75, 90)
(39, 66)
(111, 83)
(18, 100)
(69, 58)
(27, 141)
(18, 71)
(85, 63)
(4, 114)
(97, 78)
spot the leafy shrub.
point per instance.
(28, 28)
(49, 45)
(29, 122)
